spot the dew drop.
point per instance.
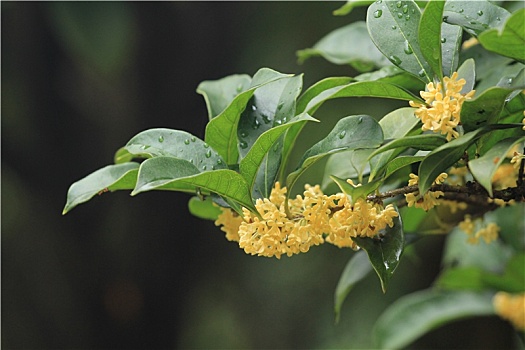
(413, 11)
(243, 144)
(193, 139)
(278, 122)
(254, 108)
(219, 161)
(208, 153)
(378, 13)
(399, 4)
(239, 88)
(498, 19)
(280, 106)
(421, 73)
(472, 22)
(244, 133)
(395, 60)
(187, 141)
(204, 167)
(144, 147)
(407, 48)
(379, 1)
(405, 9)
(266, 119)
(342, 134)
(445, 18)
(480, 13)
(256, 124)
(394, 27)
(399, 15)
(161, 139)
(213, 167)
(461, 10)
(206, 145)
(360, 120)
(191, 160)
(443, 40)
(407, 17)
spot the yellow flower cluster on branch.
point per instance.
(488, 233)
(511, 307)
(442, 107)
(430, 199)
(314, 219)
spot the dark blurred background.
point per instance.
(79, 79)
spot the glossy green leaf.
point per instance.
(257, 160)
(319, 87)
(415, 314)
(474, 16)
(510, 40)
(110, 178)
(271, 105)
(399, 163)
(394, 27)
(395, 125)
(351, 45)
(484, 167)
(512, 280)
(204, 208)
(353, 132)
(221, 131)
(349, 6)
(443, 157)
(361, 89)
(467, 71)
(484, 109)
(357, 268)
(429, 35)
(425, 142)
(167, 173)
(384, 253)
(218, 94)
(175, 143)
(393, 75)
(451, 36)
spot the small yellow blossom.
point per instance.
(505, 176)
(230, 222)
(469, 43)
(517, 159)
(441, 113)
(453, 206)
(511, 307)
(430, 199)
(488, 233)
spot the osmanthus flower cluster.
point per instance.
(511, 307)
(313, 218)
(441, 110)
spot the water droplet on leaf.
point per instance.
(421, 73)
(256, 124)
(239, 88)
(395, 60)
(443, 40)
(480, 13)
(407, 48)
(342, 134)
(394, 27)
(243, 133)
(208, 153)
(243, 144)
(254, 108)
(399, 15)
(378, 13)
(360, 120)
(398, 4)
(161, 138)
(280, 106)
(187, 141)
(407, 17)
(219, 161)
(204, 167)
(405, 9)
(266, 119)
(206, 145)
(193, 139)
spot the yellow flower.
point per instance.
(430, 199)
(517, 159)
(505, 176)
(511, 307)
(489, 233)
(469, 43)
(441, 113)
(230, 222)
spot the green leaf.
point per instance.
(355, 192)
(394, 27)
(467, 71)
(349, 6)
(509, 41)
(415, 314)
(175, 143)
(484, 109)
(319, 87)
(221, 131)
(350, 44)
(167, 173)
(429, 35)
(218, 94)
(361, 89)
(459, 253)
(110, 178)
(393, 75)
(385, 253)
(443, 157)
(357, 268)
(353, 132)
(257, 160)
(425, 142)
(451, 36)
(484, 167)
(271, 105)
(204, 208)
(395, 125)
(512, 280)
(123, 156)
(463, 278)
(474, 16)
(399, 163)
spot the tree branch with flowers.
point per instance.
(454, 154)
